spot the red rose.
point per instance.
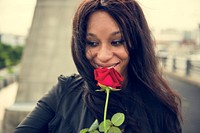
(108, 77)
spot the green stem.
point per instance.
(106, 106)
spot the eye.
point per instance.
(92, 43)
(117, 42)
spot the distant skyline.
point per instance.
(16, 15)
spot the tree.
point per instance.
(10, 55)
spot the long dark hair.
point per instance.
(143, 65)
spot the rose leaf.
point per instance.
(95, 131)
(114, 130)
(117, 119)
(94, 125)
(85, 130)
(108, 125)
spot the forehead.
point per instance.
(101, 20)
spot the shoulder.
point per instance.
(66, 100)
(73, 77)
(67, 87)
(68, 83)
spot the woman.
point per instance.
(109, 34)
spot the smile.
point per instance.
(106, 65)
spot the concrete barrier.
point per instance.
(182, 67)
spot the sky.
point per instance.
(16, 15)
(180, 14)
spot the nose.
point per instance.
(105, 53)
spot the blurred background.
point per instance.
(24, 28)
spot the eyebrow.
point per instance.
(112, 34)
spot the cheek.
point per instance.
(124, 55)
(88, 54)
(125, 59)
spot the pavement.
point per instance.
(192, 79)
(7, 98)
(189, 94)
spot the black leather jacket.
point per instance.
(63, 110)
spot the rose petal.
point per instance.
(108, 77)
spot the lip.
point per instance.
(106, 65)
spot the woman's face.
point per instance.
(105, 44)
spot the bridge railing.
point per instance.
(7, 77)
(184, 66)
